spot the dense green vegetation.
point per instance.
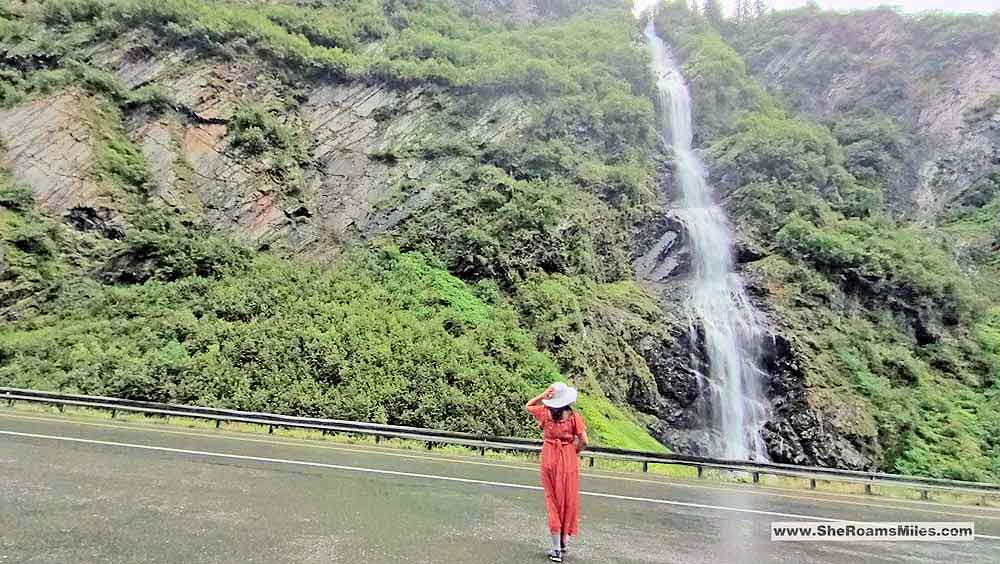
(29, 268)
(385, 337)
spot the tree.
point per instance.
(759, 8)
(713, 12)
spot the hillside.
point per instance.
(161, 152)
(420, 211)
(886, 319)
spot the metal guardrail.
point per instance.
(485, 442)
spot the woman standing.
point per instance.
(565, 436)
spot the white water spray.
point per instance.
(719, 303)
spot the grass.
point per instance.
(784, 484)
(611, 425)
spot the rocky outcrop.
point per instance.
(48, 147)
(878, 60)
(666, 254)
(372, 141)
(812, 426)
(366, 143)
(103, 221)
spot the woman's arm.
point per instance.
(538, 399)
(581, 441)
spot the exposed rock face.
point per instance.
(365, 143)
(101, 220)
(875, 60)
(812, 429)
(371, 140)
(667, 254)
(48, 148)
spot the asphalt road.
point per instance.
(92, 491)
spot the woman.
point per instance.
(565, 436)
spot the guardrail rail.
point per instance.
(486, 442)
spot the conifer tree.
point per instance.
(759, 8)
(712, 11)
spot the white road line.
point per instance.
(905, 504)
(424, 476)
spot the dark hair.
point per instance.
(558, 412)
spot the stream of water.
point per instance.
(720, 310)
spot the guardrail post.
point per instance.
(984, 493)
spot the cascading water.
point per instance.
(719, 303)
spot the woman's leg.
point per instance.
(570, 494)
(552, 505)
(551, 484)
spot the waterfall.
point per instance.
(719, 305)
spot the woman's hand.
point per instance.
(547, 394)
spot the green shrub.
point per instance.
(493, 226)
(15, 197)
(987, 334)
(123, 161)
(258, 134)
(30, 251)
(68, 12)
(883, 260)
(872, 146)
(158, 247)
(773, 147)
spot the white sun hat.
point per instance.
(562, 395)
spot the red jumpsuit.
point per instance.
(560, 468)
